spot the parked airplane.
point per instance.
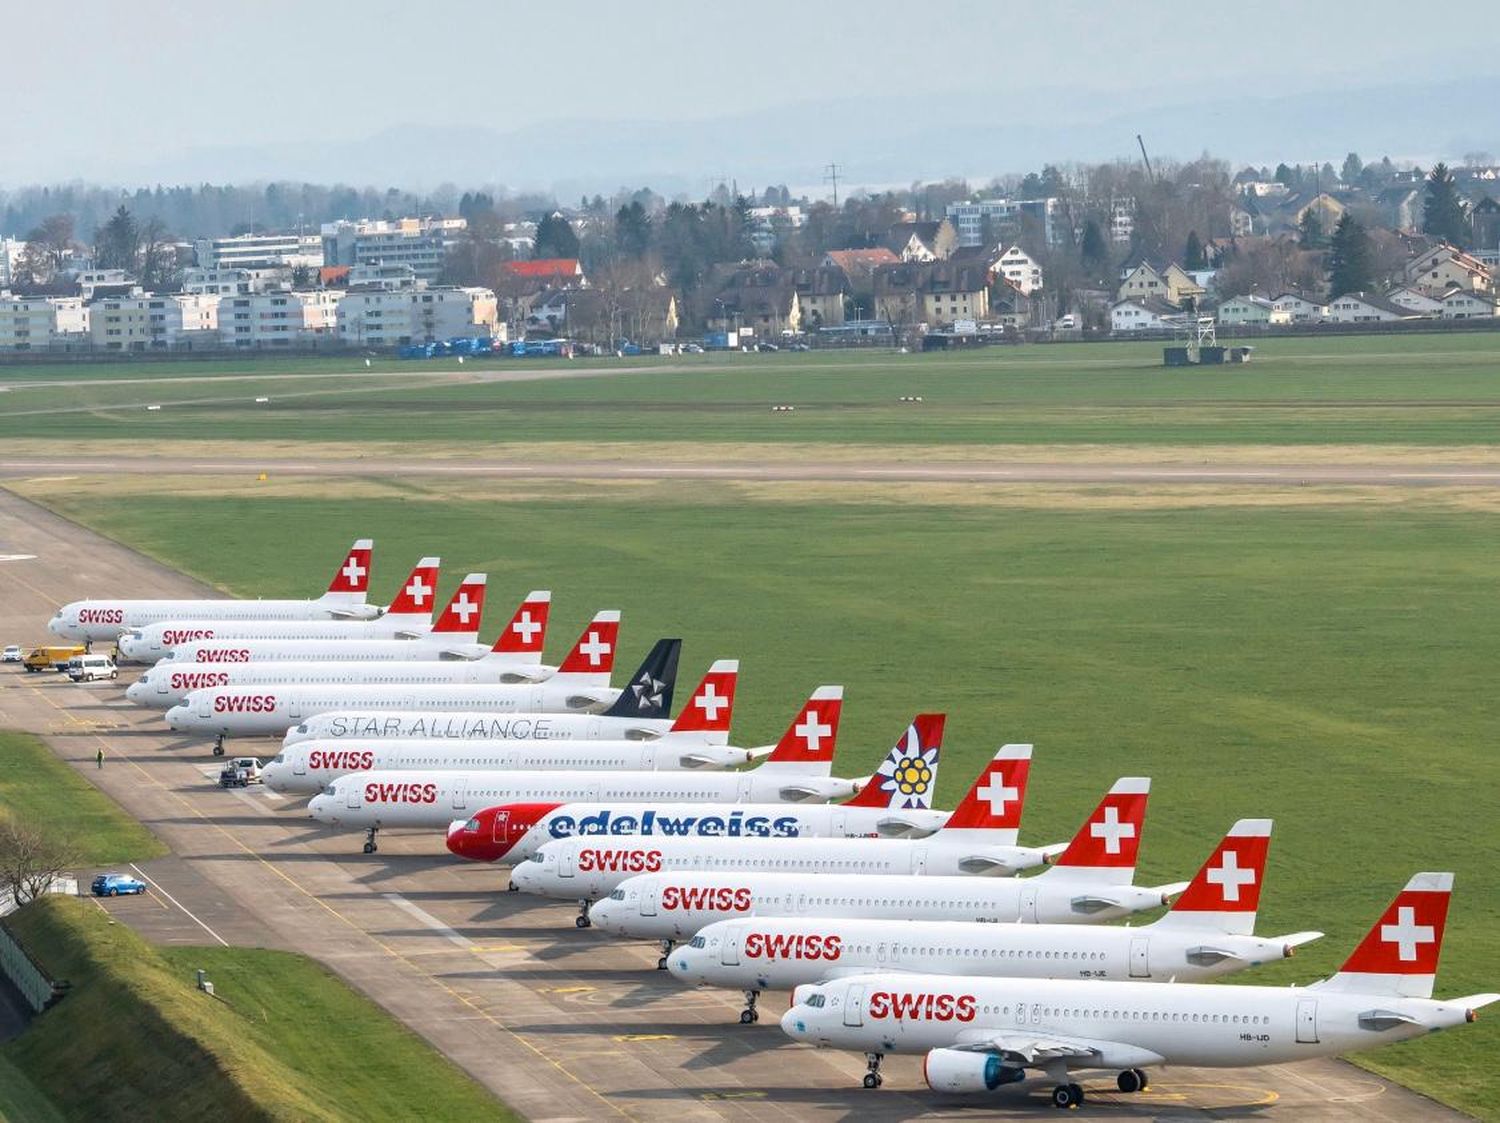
(581, 684)
(1087, 884)
(1207, 933)
(639, 714)
(897, 800)
(90, 620)
(309, 766)
(153, 642)
(427, 799)
(982, 1033)
(454, 636)
(169, 682)
(585, 869)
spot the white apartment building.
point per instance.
(1020, 269)
(235, 282)
(278, 319)
(143, 322)
(259, 251)
(11, 250)
(986, 221)
(385, 318)
(35, 323)
(421, 243)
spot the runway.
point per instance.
(773, 469)
(560, 1023)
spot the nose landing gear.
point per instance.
(370, 846)
(873, 1079)
(750, 1015)
(582, 919)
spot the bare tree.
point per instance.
(30, 861)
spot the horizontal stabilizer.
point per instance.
(1297, 939)
(760, 752)
(1171, 889)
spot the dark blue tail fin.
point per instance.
(649, 691)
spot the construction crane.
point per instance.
(1151, 175)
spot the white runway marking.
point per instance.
(191, 914)
(428, 920)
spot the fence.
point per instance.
(33, 983)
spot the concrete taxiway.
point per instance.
(559, 1023)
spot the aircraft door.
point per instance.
(500, 829)
(730, 955)
(205, 705)
(648, 901)
(161, 684)
(836, 825)
(919, 859)
(1028, 903)
(854, 1006)
(460, 793)
(565, 864)
(351, 796)
(299, 764)
(746, 793)
(1307, 1021)
(294, 709)
(1140, 964)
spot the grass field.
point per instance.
(38, 788)
(1423, 390)
(1328, 665)
(282, 1038)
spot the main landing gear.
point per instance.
(1067, 1096)
(1132, 1080)
(750, 1015)
(370, 846)
(666, 950)
(582, 919)
(219, 745)
(873, 1079)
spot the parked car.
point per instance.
(239, 772)
(53, 657)
(12, 654)
(113, 884)
(87, 668)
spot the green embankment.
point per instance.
(282, 1039)
(1328, 665)
(38, 788)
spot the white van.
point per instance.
(86, 668)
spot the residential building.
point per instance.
(1400, 208)
(769, 224)
(1020, 269)
(259, 251)
(859, 266)
(1415, 298)
(933, 294)
(39, 323)
(387, 317)
(1485, 217)
(1148, 313)
(644, 316)
(758, 297)
(1171, 283)
(821, 294)
(1299, 309)
(1445, 266)
(1122, 219)
(922, 241)
(94, 283)
(11, 250)
(278, 319)
(421, 243)
(1247, 310)
(144, 321)
(549, 271)
(989, 220)
(1241, 221)
(1365, 308)
(232, 282)
(378, 276)
(1460, 304)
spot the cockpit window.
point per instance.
(330, 790)
(816, 1001)
(697, 942)
(617, 895)
(471, 826)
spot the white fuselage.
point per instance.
(781, 953)
(91, 620)
(782, 820)
(676, 904)
(429, 647)
(436, 798)
(587, 869)
(1128, 1024)
(309, 766)
(169, 682)
(157, 641)
(473, 725)
(271, 710)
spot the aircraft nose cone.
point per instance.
(792, 1023)
(133, 692)
(176, 717)
(524, 876)
(680, 964)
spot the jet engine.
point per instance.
(957, 1070)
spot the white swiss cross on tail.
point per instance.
(466, 609)
(594, 653)
(996, 798)
(813, 733)
(414, 598)
(1400, 953)
(1112, 835)
(526, 634)
(353, 574)
(1226, 891)
(710, 708)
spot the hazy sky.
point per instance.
(110, 91)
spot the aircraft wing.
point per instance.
(1035, 1050)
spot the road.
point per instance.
(559, 1023)
(1384, 475)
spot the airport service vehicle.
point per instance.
(639, 714)
(53, 657)
(898, 799)
(89, 620)
(373, 800)
(87, 668)
(453, 636)
(1088, 882)
(169, 682)
(580, 685)
(310, 766)
(979, 838)
(11, 654)
(113, 884)
(1207, 933)
(240, 772)
(406, 619)
(982, 1033)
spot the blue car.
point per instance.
(113, 884)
